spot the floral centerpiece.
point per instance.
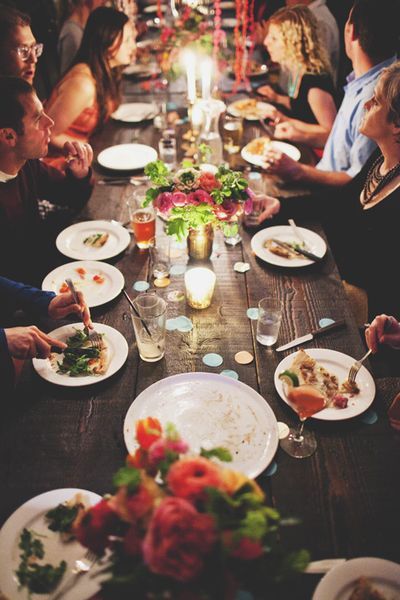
(195, 196)
(195, 530)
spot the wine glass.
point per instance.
(306, 402)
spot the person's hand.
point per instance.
(268, 206)
(383, 330)
(79, 158)
(30, 342)
(279, 163)
(260, 31)
(63, 305)
(286, 131)
(268, 93)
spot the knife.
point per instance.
(314, 333)
(306, 253)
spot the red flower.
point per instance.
(139, 460)
(132, 542)
(96, 525)
(178, 539)
(208, 181)
(131, 507)
(243, 548)
(188, 477)
(164, 202)
(148, 430)
(179, 199)
(226, 210)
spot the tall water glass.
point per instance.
(149, 326)
(269, 320)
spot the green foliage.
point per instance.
(158, 173)
(129, 477)
(183, 218)
(221, 453)
(62, 517)
(39, 579)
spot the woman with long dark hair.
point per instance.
(89, 92)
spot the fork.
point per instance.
(356, 367)
(95, 338)
(81, 565)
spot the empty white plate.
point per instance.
(126, 157)
(135, 112)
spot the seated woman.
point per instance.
(89, 92)
(293, 42)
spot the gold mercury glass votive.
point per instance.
(199, 284)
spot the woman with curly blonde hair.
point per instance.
(293, 41)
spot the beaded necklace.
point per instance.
(375, 182)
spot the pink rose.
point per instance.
(189, 477)
(159, 450)
(96, 525)
(179, 199)
(131, 507)
(177, 540)
(201, 196)
(164, 202)
(226, 210)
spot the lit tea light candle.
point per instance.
(199, 284)
(206, 74)
(190, 66)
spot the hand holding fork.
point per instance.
(95, 338)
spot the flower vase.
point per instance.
(200, 242)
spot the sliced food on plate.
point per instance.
(81, 357)
(249, 108)
(284, 250)
(96, 240)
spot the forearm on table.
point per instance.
(311, 175)
(312, 134)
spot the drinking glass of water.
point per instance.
(269, 320)
(233, 132)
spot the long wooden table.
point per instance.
(347, 494)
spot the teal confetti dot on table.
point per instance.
(212, 359)
(252, 313)
(325, 322)
(171, 324)
(369, 418)
(141, 286)
(272, 469)
(177, 269)
(230, 373)
(184, 324)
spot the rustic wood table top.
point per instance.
(347, 494)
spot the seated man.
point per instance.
(24, 138)
(371, 37)
(19, 51)
(30, 342)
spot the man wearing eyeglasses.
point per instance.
(19, 51)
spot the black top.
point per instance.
(300, 108)
(365, 243)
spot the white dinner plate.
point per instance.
(31, 516)
(117, 348)
(83, 274)
(211, 410)
(340, 581)
(339, 364)
(139, 70)
(70, 241)
(284, 233)
(127, 157)
(134, 112)
(152, 8)
(261, 111)
(259, 159)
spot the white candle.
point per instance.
(206, 74)
(199, 285)
(190, 65)
(196, 116)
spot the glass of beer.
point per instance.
(232, 134)
(143, 218)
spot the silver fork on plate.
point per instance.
(81, 565)
(95, 338)
(356, 367)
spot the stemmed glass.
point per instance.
(300, 443)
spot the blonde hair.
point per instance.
(389, 84)
(301, 39)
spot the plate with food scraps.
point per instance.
(153, 8)
(253, 70)
(127, 157)
(367, 577)
(57, 547)
(250, 109)
(93, 240)
(135, 112)
(255, 151)
(99, 282)
(335, 364)
(83, 363)
(263, 246)
(210, 410)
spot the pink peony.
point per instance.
(177, 540)
(131, 507)
(188, 478)
(208, 181)
(160, 449)
(179, 199)
(226, 210)
(96, 525)
(200, 196)
(164, 202)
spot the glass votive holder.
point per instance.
(199, 286)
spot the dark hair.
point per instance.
(376, 26)
(10, 18)
(12, 110)
(104, 26)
